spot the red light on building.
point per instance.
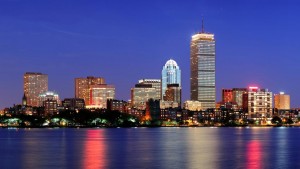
(227, 95)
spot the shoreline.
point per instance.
(93, 127)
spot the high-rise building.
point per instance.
(82, 87)
(227, 95)
(140, 94)
(237, 94)
(258, 102)
(156, 83)
(282, 101)
(170, 74)
(203, 69)
(34, 85)
(99, 94)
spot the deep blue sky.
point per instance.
(257, 42)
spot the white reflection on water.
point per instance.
(202, 147)
(281, 153)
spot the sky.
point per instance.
(257, 43)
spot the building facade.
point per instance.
(282, 101)
(73, 103)
(140, 94)
(48, 95)
(237, 94)
(173, 93)
(118, 105)
(83, 85)
(203, 69)
(99, 94)
(170, 74)
(34, 85)
(282, 104)
(50, 107)
(227, 95)
(258, 102)
(192, 105)
(155, 83)
(168, 104)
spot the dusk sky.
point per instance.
(257, 43)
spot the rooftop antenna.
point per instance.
(202, 25)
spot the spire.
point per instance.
(202, 25)
(24, 100)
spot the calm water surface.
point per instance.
(150, 148)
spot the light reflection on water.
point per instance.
(94, 150)
(150, 148)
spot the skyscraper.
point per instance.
(34, 85)
(82, 87)
(171, 74)
(203, 69)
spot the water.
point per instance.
(118, 148)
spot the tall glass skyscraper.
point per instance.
(171, 74)
(203, 69)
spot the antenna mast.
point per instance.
(202, 26)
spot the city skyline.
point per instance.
(65, 43)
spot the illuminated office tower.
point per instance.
(282, 101)
(82, 87)
(140, 94)
(99, 94)
(34, 85)
(155, 83)
(203, 69)
(237, 94)
(227, 95)
(171, 74)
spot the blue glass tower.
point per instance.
(171, 74)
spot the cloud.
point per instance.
(66, 32)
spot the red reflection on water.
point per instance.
(94, 150)
(254, 154)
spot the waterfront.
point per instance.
(150, 148)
